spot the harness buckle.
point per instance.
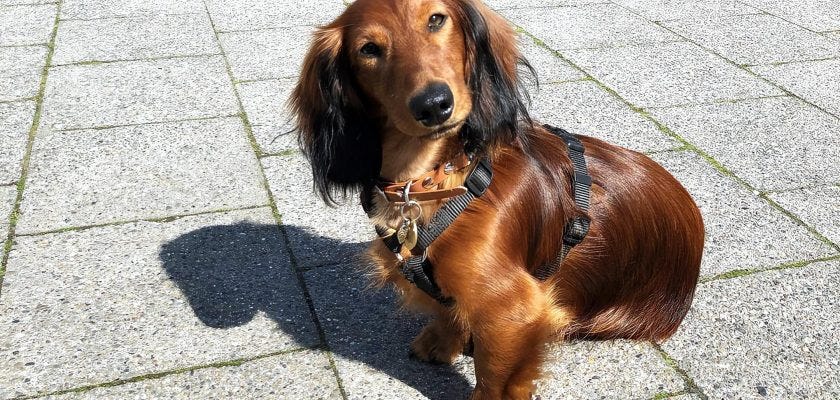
(582, 177)
(575, 231)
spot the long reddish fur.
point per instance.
(632, 277)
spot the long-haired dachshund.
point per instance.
(402, 101)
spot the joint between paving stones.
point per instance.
(24, 165)
(101, 62)
(284, 153)
(293, 264)
(763, 11)
(163, 14)
(737, 273)
(690, 385)
(171, 121)
(162, 374)
(668, 395)
(167, 219)
(690, 146)
(778, 63)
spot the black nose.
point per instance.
(433, 106)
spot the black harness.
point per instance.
(418, 270)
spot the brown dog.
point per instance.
(394, 89)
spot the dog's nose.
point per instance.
(433, 106)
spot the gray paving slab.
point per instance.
(817, 15)
(549, 67)
(86, 96)
(815, 81)
(508, 4)
(265, 102)
(26, 2)
(92, 177)
(15, 123)
(668, 10)
(260, 14)
(96, 305)
(607, 370)
(26, 24)
(585, 108)
(818, 207)
(299, 375)
(742, 230)
(590, 26)
(90, 9)
(266, 54)
(670, 74)
(756, 39)
(370, 338)
(318, 234)
(771, 335)
(8, 194)
(833, 35)
(773, 144)
(134, 38)
(20, 71)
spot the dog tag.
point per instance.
(411, 236)
(402, 233)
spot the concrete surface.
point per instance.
(168, 243)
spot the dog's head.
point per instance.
(427, 69)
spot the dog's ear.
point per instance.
(493, 62)
(334, 133)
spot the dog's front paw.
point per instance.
(437, 344)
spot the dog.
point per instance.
(404, 101)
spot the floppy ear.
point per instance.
(499, 98)
(334, 133)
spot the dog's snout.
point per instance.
(434, 105)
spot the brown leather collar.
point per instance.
(423, 188)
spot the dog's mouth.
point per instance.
(445, 131)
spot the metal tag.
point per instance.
(411, 236)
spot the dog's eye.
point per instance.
(370, 49)
(436, 22)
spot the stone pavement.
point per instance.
(164, 241)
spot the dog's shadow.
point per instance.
(229, 273)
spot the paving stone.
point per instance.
(299, 375)
(668, 10)
(817, 15)
(508, 4)
(756, 39)
(370, 340)
(549, 67)
(591, 26)
(86, 96)
(833, 35)
(90, 9)
(815, 81)
(818, 207)
(583, 107)
(771, 335)
(265, 102)
(773, 144)
(670, 74)
(742, 230)
(109, 303)
(266, 54)
(26, 25)
(8, 194)
(318, 234)
(25, 2)
(134, 38)
(607, 370)
(244, 15)
(15, 122)
(90, 177)
(20, 71)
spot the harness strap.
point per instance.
(577, 228)
(418, 269)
